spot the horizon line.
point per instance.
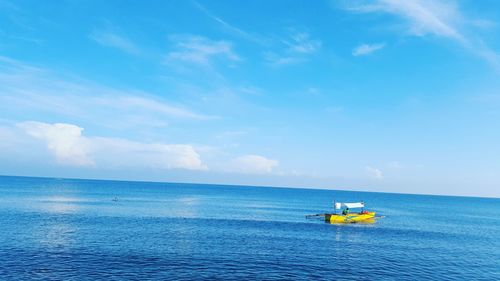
(247, 185)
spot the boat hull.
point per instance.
(350, 218)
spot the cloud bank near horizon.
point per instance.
(70, 147)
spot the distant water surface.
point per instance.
(61, 229)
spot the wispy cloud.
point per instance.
(131, 102)
(200, 50)
(112, 39)
(300, 42)
(374, 173)
(422, 16)
(278, 60)
(366, 49)
(432, 17)
(70, 147)
(36, 90)
(229, 27)
(298, 46)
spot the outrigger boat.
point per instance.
(346, 216)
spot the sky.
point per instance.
(382, 95)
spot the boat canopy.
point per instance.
(339, 205)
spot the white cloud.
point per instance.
(253, 164)
(71, 147)
(374, 173)
(125, 153)
(427, 16)
(366, 49)
(111, 39)
(433, 17)
(422, 16)
(64, 140)
(200, 50)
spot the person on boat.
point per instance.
(345, 212)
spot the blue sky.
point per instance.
(396, 96)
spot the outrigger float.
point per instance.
(363, 216)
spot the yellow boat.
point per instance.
(347, 217)
(363, 216)
(366, 217)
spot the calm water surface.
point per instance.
(55, 229)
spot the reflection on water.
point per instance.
(58, 204)
(62, 199)
(184, 207)
(60, 208)
(367, 221)
(56, 235)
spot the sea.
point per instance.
(73, 229)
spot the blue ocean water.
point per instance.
(61, 229)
